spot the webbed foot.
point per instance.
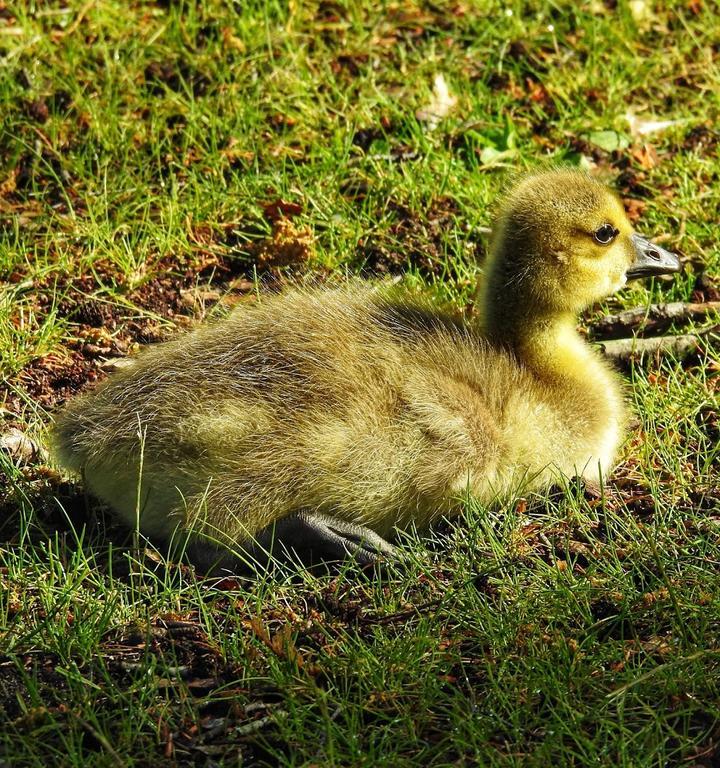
(316, 537)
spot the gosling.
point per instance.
(325, 420)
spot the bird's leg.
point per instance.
(321, 538)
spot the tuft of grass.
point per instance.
(163, 161)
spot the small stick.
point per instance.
(623, 350)
(653, 318)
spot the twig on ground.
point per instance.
(623, 350)
(656, 317)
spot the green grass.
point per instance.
(141, 146)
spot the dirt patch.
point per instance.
(175, 76)
(110, 313)
(702, 139)
(112, 323)
(52, 378)
(413, 239)
(51, 685)
(706, 288)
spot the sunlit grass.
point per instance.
(142, 144)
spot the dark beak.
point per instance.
(651, 259)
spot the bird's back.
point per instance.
(342, 399)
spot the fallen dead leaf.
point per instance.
(634, 208)
(9, 185)
(279, 209)
(640, 127)
(650, 598)
(441, 104)
(231, 41)
(657, 646)
(645, 155)
(537, 92)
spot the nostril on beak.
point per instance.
(651, 259)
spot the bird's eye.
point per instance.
(605, 234)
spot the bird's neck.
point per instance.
(548, 344)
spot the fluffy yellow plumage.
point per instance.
(327, 418)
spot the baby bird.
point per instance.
(324, 420)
